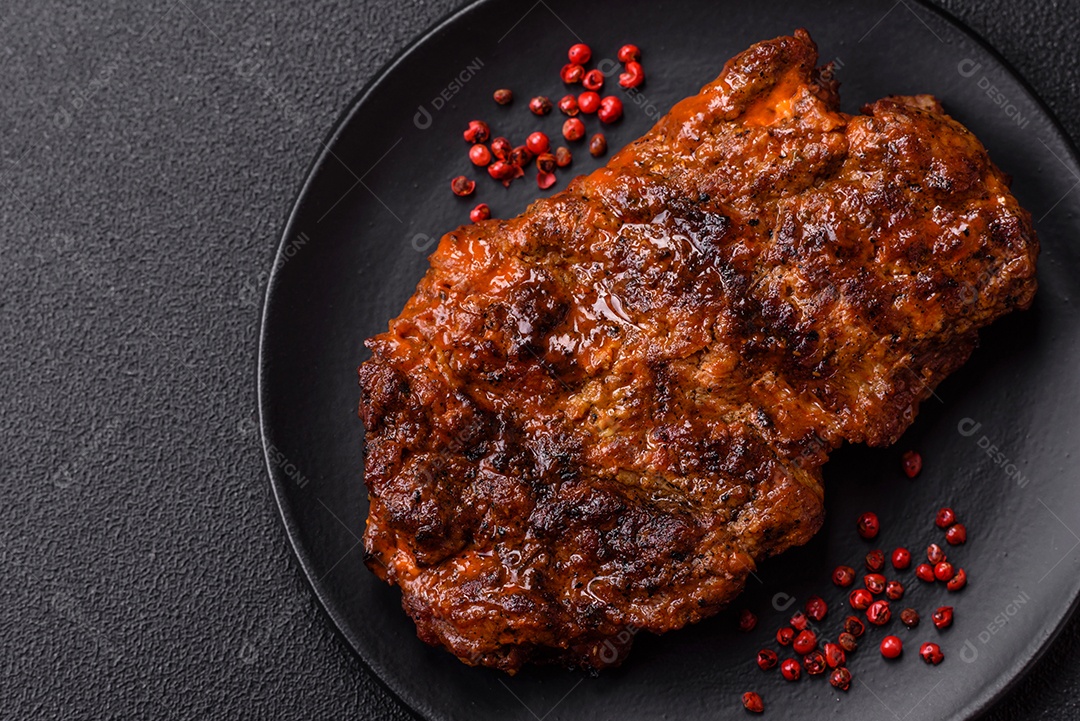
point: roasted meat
(597, 417)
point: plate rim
(277, 486)
(981, 703)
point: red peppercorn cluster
(505, 162)
(609, 108)
(802, 634)
(939, 568)
(633, 74)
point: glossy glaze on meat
(597, 417)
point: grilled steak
(597, 417)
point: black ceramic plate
(997, 442)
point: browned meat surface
(600, 415)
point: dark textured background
(149, 153)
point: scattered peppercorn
(860, 599)
(520, 156)
(945, 518)
(912, 463)
(834, 655)
(785, 636)
(611, 109)
(747, 620)
(767, 659)
(569, 106)
(503, 96)
(752, 702)
(477, 132)
(944, 571)
(573, 129)
(540, 105)
(868, 525)
(572, 73)
(633, 76)
(537, 143)
(799, 621)
(545, 180)
(500, 148)
(956, 535)
(511, 171)
(847, 642)
(901, 559)
(854, 626)
(629, 53)
(462, 186)
(563, 156)
(588, 102)
(597, 146)
(843, 576)
(909, 617)
(875, 583)
(579, 53)
(875, 561)
(814, 663)
(878, 613)
(958, 581)
(891, 647)
(805, 642)
(942, 617)
(545, 163)
(480, 212)
(790, 669)
(894, 590)
(925, 572)
(593, 80)
(501, 170)
(935, 554)
(816, 608)
(931, 653)
(479, 155)
(840, 678)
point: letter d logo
(422, 119)
(967, 427)
(968, 67)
